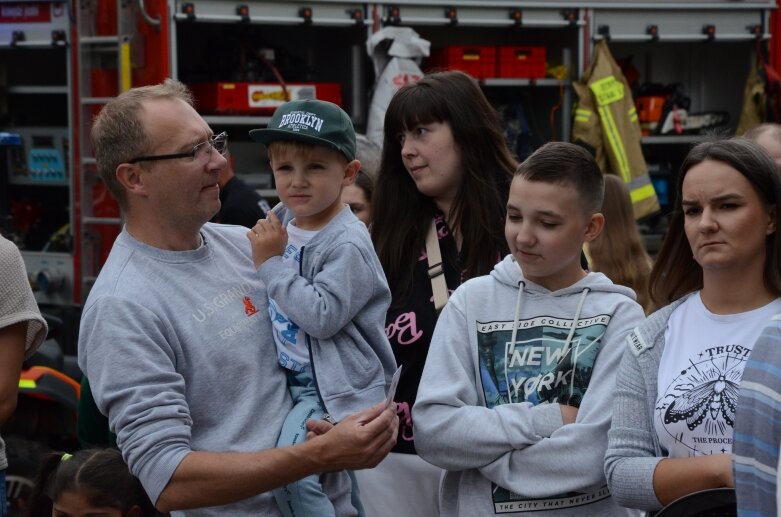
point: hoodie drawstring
(507, 357)
(572, 333)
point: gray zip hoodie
(506, 450)
(339, 298)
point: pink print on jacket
(405, 421)
(439, 219)
(404, 329)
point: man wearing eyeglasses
(175, 337)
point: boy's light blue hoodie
(339, 298)
(508, 451)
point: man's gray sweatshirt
(179, 352)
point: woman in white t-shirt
(718, 276)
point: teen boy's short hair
(562, 162)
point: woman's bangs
(414, 106)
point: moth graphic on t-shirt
(705, 403)
(697, 408)
(698, 376)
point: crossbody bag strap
(435, 270)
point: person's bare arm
(361, 440)
(12, 345)
(677, 477)
(568, 413)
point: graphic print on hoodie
(549, 363)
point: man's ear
(595, 226)
(351, 172)
(129, 176)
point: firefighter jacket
(606, 123)
(754, 100)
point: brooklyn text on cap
(310, 121)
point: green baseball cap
(310, 121)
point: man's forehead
(173, 120)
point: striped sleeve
(758, 426)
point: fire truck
(61, 60)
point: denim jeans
(305, 497)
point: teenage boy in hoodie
(506, 403)
(327, 291)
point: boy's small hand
(268, 238)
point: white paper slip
(392, 390)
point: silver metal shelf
(38, 90)
(99, 40)
(591, 4)
(683, 38)
(277, 20)
(237, 120)
(95, 100)
(673, 139)
(34, 44)
(546, 82)
(479, 22)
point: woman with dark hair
(87, 482)
(718, 276)
(445, 172)
(618, 251)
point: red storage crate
(525, 62)
(479, 61)
(258, 98)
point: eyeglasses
(218, 142)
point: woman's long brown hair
(402, 214)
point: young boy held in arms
(327, 292)
(517, 390)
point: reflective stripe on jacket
(605, 121)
